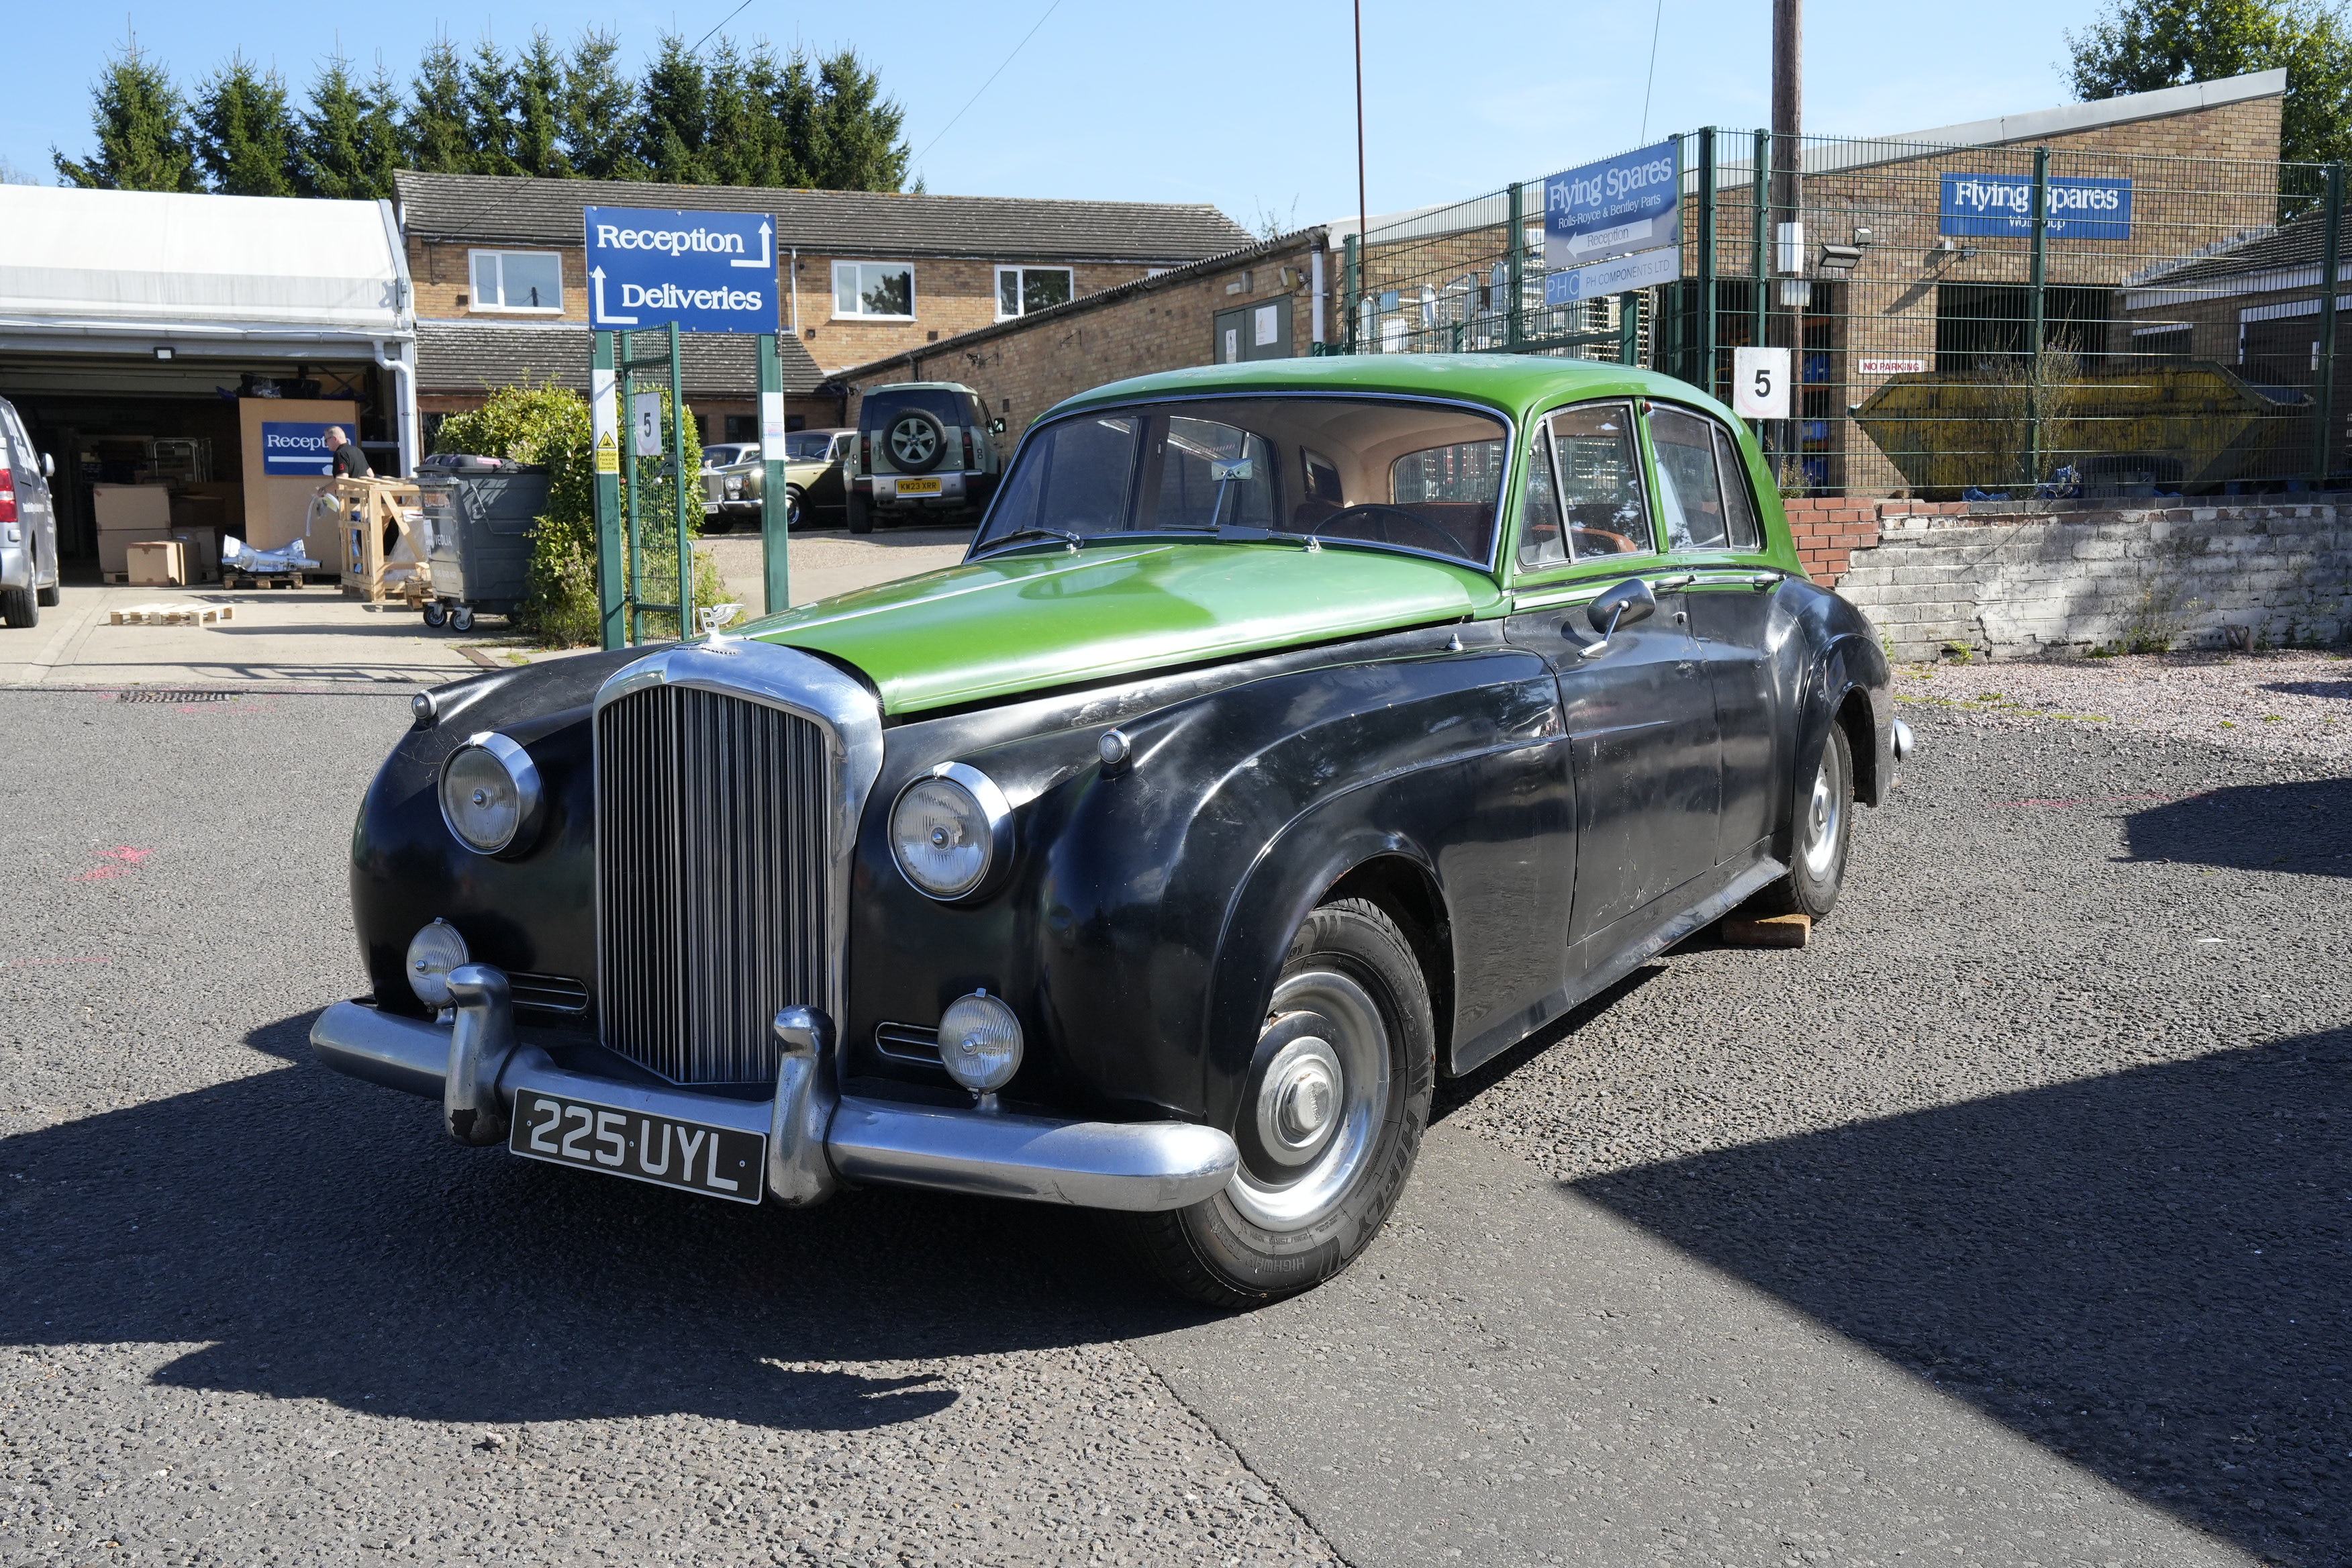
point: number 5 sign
(1759, 384)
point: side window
(1690, 492)
(1600, 466)
(1738, 506)
(1541, 543)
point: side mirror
(49, 467)
(1628, 604)
(996, 427)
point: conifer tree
(489, 112)
(674, 123)
(144, 140)
(245, 135)
(435, 127)
(536, 95)
(349, 143)
(853, 142)
(600, 110)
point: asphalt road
(2006, 1224)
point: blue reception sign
(300, 449)
(2003, 204)
(710, 272)
(1618, 205)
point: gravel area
(2294, 702)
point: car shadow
(2149, 1273)
(317, 1238)
(2305, 825)
(2336, 688)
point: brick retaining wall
(2020, 580)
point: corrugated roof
(1018, 228)
(163, 262)
(472, 356)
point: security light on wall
(1837, 260)
(1864, 236)
(163, 353)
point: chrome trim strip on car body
(844, 711)
(1133, 1166)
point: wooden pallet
(123, 580)
(241, 581)
(170, 614)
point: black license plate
(717, 1162)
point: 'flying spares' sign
(710, 272)
(2003, 204)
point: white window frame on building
(1020, 276)
(859, 289)
(494, 298)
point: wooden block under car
(157, 564)
(1770, 931)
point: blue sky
(1249, 106)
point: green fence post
(632, 492)
(2036, 310)
(604, 422)
(1629, 326)
(775, 504)
(1350, 267)
(1758, 263)
(1518, 240)
(2322, 442)
(1707, 334)
(678, 476)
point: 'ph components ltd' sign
(710, 272)
(296, 449)
(2003, 204)
(1618, 205)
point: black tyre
(1820, 827)
(49, 597)
(461, 618)
(915, 441)
(1330, 1122)
(861, 515)
(436, 614)
(717, 522)
(795, 507)
(18, 607)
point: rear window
(949, 408)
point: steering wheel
(1381, 515)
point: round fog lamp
(950, 831)
(980, 1041)
(433, 952)
(490, 796)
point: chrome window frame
(1502, 499)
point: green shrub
(549, 425)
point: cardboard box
(202, 550)
(157, 564)
(132, 509)
(114, 546)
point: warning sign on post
(608, 454)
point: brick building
(499, 268)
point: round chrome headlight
(980, 1041)
(951, 832)
(433, 952)
(489, 795)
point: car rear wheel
(1330, 1124)
(18, 607)
(1820, 834)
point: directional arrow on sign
(1624, 234)
(767, 254)
(601, 319)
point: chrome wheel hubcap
(1822, 820)
(1319, 1104)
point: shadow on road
(324, 1241)
(2147, 1273)
(2303, 826)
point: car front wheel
(1329, 1125)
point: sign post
(685, 272)
(775, 504)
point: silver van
(29, 525)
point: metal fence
(1962, 321)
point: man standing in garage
(350, 463)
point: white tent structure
(160, 278)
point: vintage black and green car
(1292, 734)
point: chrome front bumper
(814, 1137)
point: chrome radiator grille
(710, 879)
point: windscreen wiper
(1074, 540)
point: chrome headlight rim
(530, 799)
(996, 836)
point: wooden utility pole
(1788, 125)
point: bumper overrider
(809, 1139)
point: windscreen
(1380, 471)
(803, 445)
